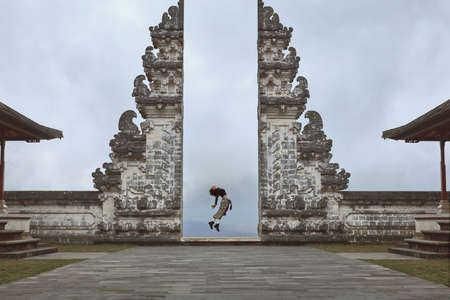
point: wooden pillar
(3, 207)
(444, 205)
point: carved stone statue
(271, 19)
(140, 88)
(315, 122)
(148, 58)
(170, 20)
(128, 143)
(110, 181)
(301, 90)
(292, 57)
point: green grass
(436, 270)
(92, 248)
(361, 248)
(15, 269)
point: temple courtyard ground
(222, 272)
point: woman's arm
(215, 202)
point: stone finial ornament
(140, 88)
(108, 181)
(271, 19)
(128, 143)
(333, 181)
(126, 124)
(292, 57)
(315, 122)
(313, 143)
(301, 90)
(148, 58)
(170, 19)
(99, 179)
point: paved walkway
(376, 255)
(69, 255)
(222, 272)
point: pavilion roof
(16, 127)
(432, 126)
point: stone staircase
(18, 244)
(434, 244)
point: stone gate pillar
(142, 187)
(298, 186)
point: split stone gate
(141, 188)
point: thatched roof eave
(16, 127)
(432, 126)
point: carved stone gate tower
(142, 187)
(298, 186)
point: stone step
(444, 224)
(195, 241)
(17, 245)
(27, 252)
(6, 235)
(436, 235)
(418, 253)
(3, 224)
(427, 245)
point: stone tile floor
(223, 272)
(375, 255)
(69, 255)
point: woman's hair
(212, 189)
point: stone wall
(66, 217)
(77, 216)
(384, 216)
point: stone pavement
(376, 255)
(223, 272)
(70, 255)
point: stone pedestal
(16, 222)
(3, 207)
(429, 222)
(444, 207)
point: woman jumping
(223, 208)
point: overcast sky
(371, 66)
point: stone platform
(220, 241)
(238, 272)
